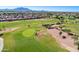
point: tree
(61, 18)
(77, 43)
(1, 34)
(71, 17)
(49, 14)
(60, 33)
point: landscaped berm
(32, 36)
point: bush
(77, 43)
(63, 37)
(60, 33)
(61, 26)
(0, 29)
(78, 47)
(76, 37)
(66, 30)
(58, 23)
(47, 25)
(1, 34)
(70, 34)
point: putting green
(29, 32)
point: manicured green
(29, 32)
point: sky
(47, 8)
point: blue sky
(47, 8)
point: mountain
(21, 9)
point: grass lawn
(25, 40)
(29, 32)
(74, 27)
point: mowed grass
(29, 32)
(24, 23)
(25, 40)
(74, 27)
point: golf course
(24, 38)
(31, 36)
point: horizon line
(46, 8)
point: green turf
(29, 32)
(25, 40)
(74, 27)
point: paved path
(1, 44)
(67, 43)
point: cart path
(67, 43)
(1, 44)
(9, 30)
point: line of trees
(36, 15)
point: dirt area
(41, 33)
(66, 42)
(9, 30)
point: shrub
(1, 34)
(77, 43)
(70, 34)
(63, 37)
(60, 33)
(66, 30)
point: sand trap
(67, 43)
